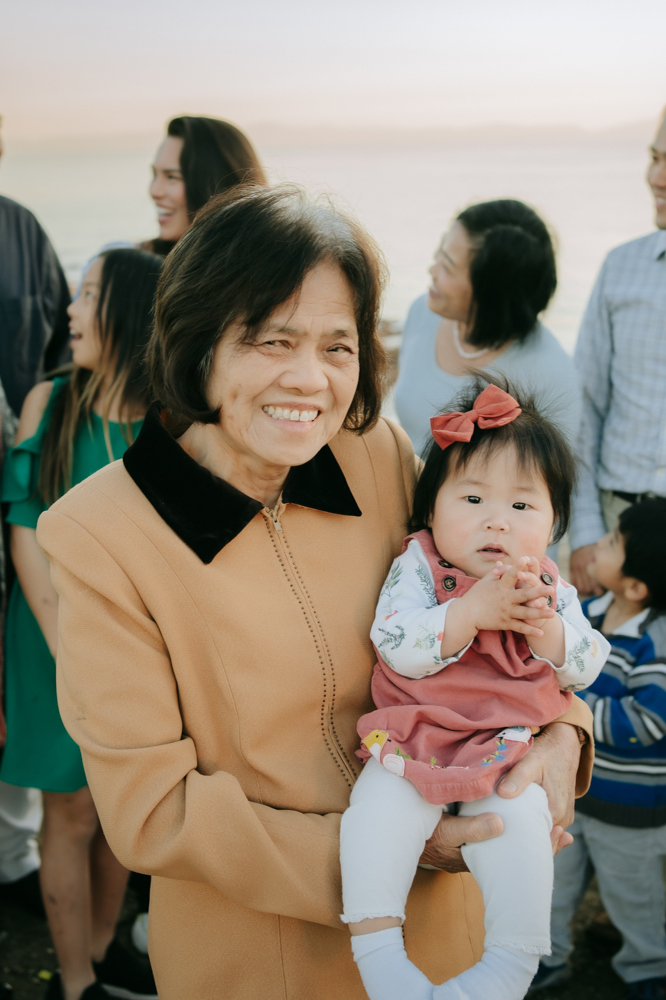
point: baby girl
(472, 661)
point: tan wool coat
(212, 664)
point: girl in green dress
(70, 427)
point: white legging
(382, 837)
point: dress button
(449, 583)
(445, 564)
(547, 579)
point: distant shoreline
(276, 135)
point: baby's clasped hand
(507, 598)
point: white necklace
(461, 350)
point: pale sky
(96, 67)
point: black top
(205, 511)
(34, 327)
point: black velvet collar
(206, 512)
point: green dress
(39, 752)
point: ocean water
(591, 192)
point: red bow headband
(492, 408)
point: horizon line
(281, 133)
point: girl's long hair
(124, 321)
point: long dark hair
(536, 440)
(124, 321)
(513, 272)
(215, 156)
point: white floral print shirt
(409, 626)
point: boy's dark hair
(513, 272)
(538, 443)
(643, 530)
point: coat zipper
(274, 513)
(334, 747)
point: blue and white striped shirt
(628, 702)
(621, 362)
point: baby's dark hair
(538, 443)
(643, 530)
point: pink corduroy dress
(446, 727)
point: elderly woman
(493, 274)
(217, 589)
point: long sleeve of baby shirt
(586, 649)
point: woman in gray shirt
(493, 273)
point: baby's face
(492, 510)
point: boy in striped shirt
(620, 825)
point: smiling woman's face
(450, 292)
(286, 395)
(167, 190)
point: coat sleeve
(119, 701)
(578, 714)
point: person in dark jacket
(34, 326)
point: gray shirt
(621, 359)
(539, 365)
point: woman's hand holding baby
(507, 598)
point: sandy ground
(25, 951)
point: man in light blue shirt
(621, 360)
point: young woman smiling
(70, 427)
(198, 158)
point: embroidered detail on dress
(395, 764)
(496, 754)
(374, 741)
(516, 734)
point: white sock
(502, 973)
(386, 971)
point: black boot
(92, 992)
(124, 975)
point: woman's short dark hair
(538, 444)
(215, 157)
(513, 271)
(247, 253)
(643, 530)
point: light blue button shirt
(539, 365)
(621, 360)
